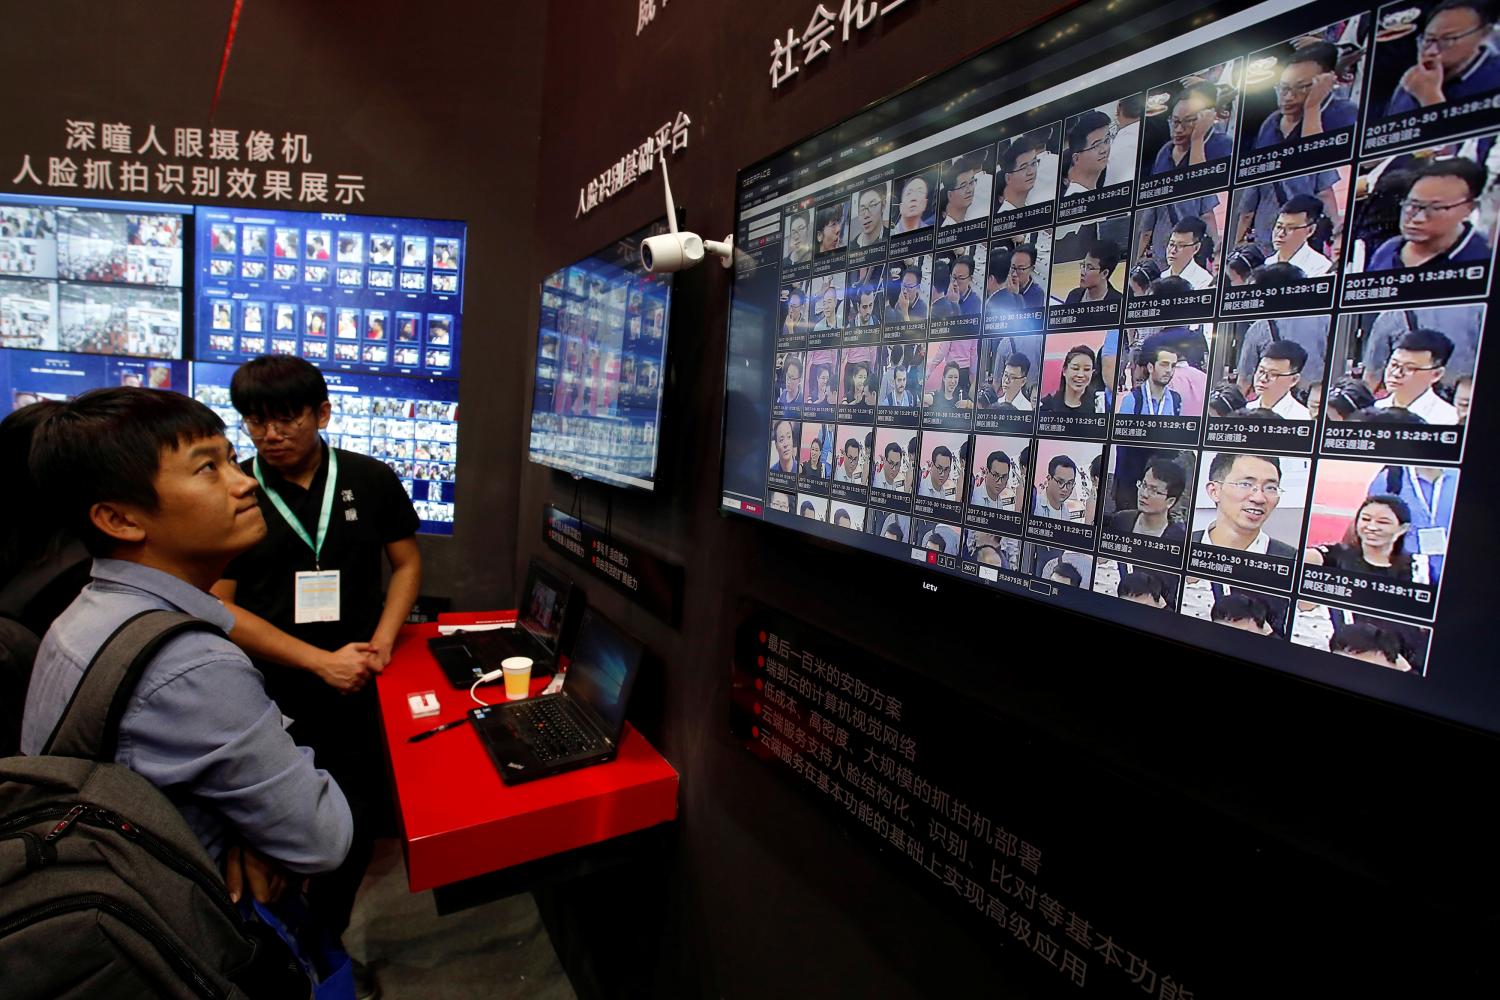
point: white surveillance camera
(675, 251)
(671, 252)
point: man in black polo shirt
(306, 601)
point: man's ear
(117, 521)
(324, 411)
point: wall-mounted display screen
(410, 424)
(28, 377)
(91, 276)
(601, 354)
(1179, 327)
(347, 292)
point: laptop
(577, 727)
(547, 605)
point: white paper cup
(517, 677)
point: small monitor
(603, 668)
(545, 601)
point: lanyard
(291, 519)
(1430, 509)
(1156, 409)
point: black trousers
(343, 732)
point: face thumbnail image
(856, 445)
(812, 506)
(1100, 146)
(317, 321)
(1086, 260)
(1064, 567)
(1305, 87)
(1236, 607)
(789, 366)
(849, 516)
(966, 186)
(1137, 584)
(828, 301)
(943, 461)
(1381, 522)
(1015, 280)
(382, 250)
(288, 243)
(999, 477)
(908, 283)
(1254, 503)
(1417, 364)
(989, 549)
(949, 384)
(222, 239)
(1380, 642)
(348, 328)
(1079, 369)
(445, 254)
(816, 453)
(832, 222)
(351, 248)
(1165, 371)
(915, 206)
(1147, 493)
(413, 251)
(890, 526)
(255, 240)
(1292, 223)
(319, 244)
(895, 460)
(795, 311)
(784, 446)
(253, 317)
(1178, 246)
(1065, 483)
(1009, 369)
(223, 316)
(1027, 169)
(863, 298)
(1433, 53)
(1425, 210)
(797, 238)
(1191, 120)
(858, 386)
(901, 371)
(935, 537)
(822, 378)
(957, 276)
(868, 208)
(779, 501)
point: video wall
(92, 295)
(1186, 339)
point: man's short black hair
(965, 261)
(1107, 253)
(1152, 355)
(1012, 153)
(1061, 461)
(1224, 461)
(1467, 171)
(897, 447)
(1287, 350)
(853, 441)
(1029, 249)
(1171, 285)
(1483, 9)
(1078, 135)
(1277, 274)
(1366, 637)
(941, 451)
(807, 505)
(1068, 572)
(1240, 606)
(1192, 225)
(1021, 361)
(1245, 258)
(998, 456)
(1133, 106)
(276, 387)
(1432, 341)
(1304, 204)
(1207, 91)
(911, 269)
(1325, 54)
(936, 539)
(1140, 583)
(1172, 476)
(106, 445)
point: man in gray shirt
(148, 481)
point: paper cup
(517, 677)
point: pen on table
(419, 737)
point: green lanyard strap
(292, 520)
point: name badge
(316, 597)
(1432, 541)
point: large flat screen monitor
(358, 293)
(410, 424)
(1178, 326)
(600, 358)
(92, 276)
(28, 377)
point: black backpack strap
(90, 725)
(1275, 331)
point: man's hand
(349, 667)
(1424, 81)
(1322, 86)
(244, 866)
(382, 647)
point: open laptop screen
(603, 669)
(544, 602)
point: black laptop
(546, 608)
(577, 727)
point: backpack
(1139, 392)
(104, 888)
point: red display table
(459, 821)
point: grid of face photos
(358, 293)
(1209, 347)
(90, 280)
(390, 419)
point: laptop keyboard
(551, 732)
